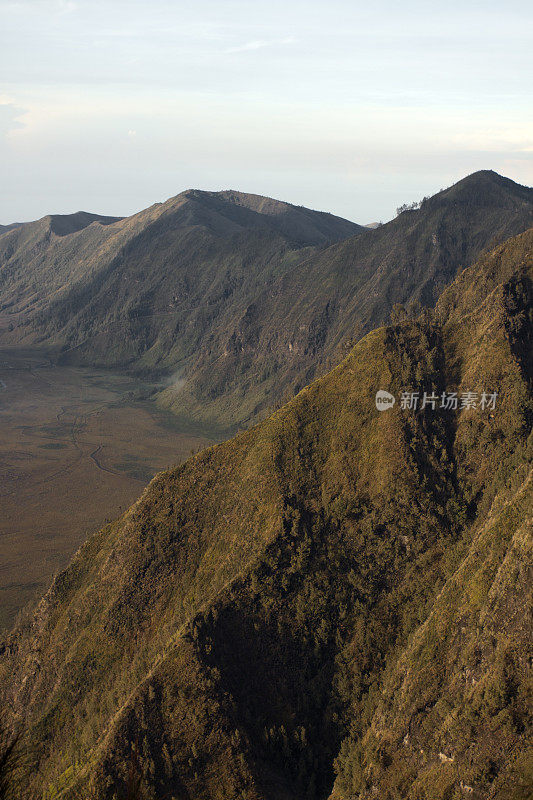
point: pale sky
(338, 105)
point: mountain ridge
(64, 224)
(280, 617)
(243, 307)
(305, 320)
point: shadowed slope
(150, 290)
(308, 318)
(238, 300)
(64, 224)
(314, 596)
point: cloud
(49, 6)
(495, 139)
(66, 6)
(9, 115)
(259, 44)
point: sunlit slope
(144, 290)
(234, 301)
(308, 319)
(331, 602)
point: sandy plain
(77, 447)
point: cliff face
(242, 299)
(310, 316)
(147, 290)
(332, 604)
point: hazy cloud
(364, 108)
(10, 115)
(259, 44)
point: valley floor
(77, 446)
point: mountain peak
(63, 224)
(488, 188)
(260, 204)
(256, 202)
(234, 210)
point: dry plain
(77, 446)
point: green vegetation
(238, 301)
(156, 292)
(330, 605)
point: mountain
(330, 605)
(151, 289)
(308, 319)
(237, 301)
(64, 224)
(6, 228)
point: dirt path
(104, 469)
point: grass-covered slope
(307, 318)
(237, 301)
(331, 604)
(453, 717)
(147, 290)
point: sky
(339, 105)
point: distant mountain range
(237, 300)
(151, 290)
(6, 228)
(334, 604)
